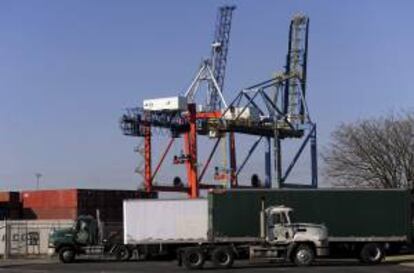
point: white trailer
(165, 221)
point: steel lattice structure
(219, 52)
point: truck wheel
(303, 255)
(222, 257)
(123, 253)
(67, 254)
(371, 253)
(193, 258)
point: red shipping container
(70, 203)
(50, 213)
(50, 199)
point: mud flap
(180, 258)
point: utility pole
(38, 176)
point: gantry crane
(273, 109)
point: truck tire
(371, 253)
(303, 255)
(123, 253)
(222, 257)
(67, 254)
(193, 258)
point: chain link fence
(25, 238)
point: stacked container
(71, 203)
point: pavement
(399, 264)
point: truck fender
(290, 250)
(60, 246)
(292, 247)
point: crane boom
(296, 63)
(220, 47)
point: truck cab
(282, 229)
(84, 237)
(283, 239)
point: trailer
(364, 224)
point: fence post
(6, 239)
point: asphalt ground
(104, 266)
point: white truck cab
(286, 240)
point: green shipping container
(348, 214)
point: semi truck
(229, 224)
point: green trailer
(354, 218)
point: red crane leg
(187, 153)
(191, 142)
(147, 157)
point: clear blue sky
(69, 68)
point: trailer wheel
(123, 253)
(67, 254)
(303, 255)
(222, 257)
(193, 258)
(371, 253)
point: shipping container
(165, 220)
(346, 213)
(71, 203)
(66, 198)
(178, 103)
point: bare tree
(375, 153)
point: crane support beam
(191, 148)
(299, 152)
(147, 158)
(164, 154)
(213, 151)
(233, 162)
(249, 154)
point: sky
(68, 70)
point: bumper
(51, 251)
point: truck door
(279, 228)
